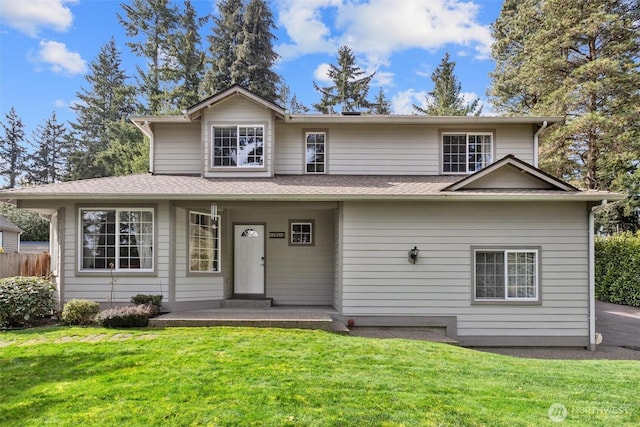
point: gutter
(535, 143)
(592, 277)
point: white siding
(177, 149)
(379, 280)
(296, 275)
(194, 286)
(390, 149)
(238, 111)
(97, 286)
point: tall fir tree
(128, 151)
(107, 99)
(445, 99)
(578, 60)
(152, 23)
(188, 58)
(380, 105)
(350, 85)
(13, 152)
(223, 44)
(48, 162)
(255, 56)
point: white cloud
(60, 103)
(378, 28)
(402, 102)
(30, 16)
(60, 59)
(321, 76)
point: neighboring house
(9, 236)
(245, 200)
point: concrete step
(247, 303)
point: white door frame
(249, 277)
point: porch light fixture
(214, 211)
(413, 254)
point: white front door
(249, 259)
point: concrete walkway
(618, 324)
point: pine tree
(188, 57)
(578, 60)
(255, 57)
(445, 98)
(297, 107)
(107, 99)
(381, 105)
(13, 152)
(223, 43)
(350, 85)
(154, 21)
(128, 152)
(48, 162)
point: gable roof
(510, 173)
(195, 110)
(6, 225)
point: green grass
(245, 376)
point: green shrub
(80, 312)
(125, 317)
(25, 301)
(153, 301)
(617, 269)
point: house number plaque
(277, 235)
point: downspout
(535, 143)
(592, 278)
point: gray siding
(177, 149)
(390, 149)
(378, 279)
(9, 241)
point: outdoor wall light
(413, 254)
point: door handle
(262, 261)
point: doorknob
(262, 260)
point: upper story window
(315, 144)
(466, 152)
(237, 146)
(119, 239)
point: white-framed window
(301, 232)
(466, 152)
(315, 148)
(237, 146)
(1, 241)
(119, 239)
(204, 243)
(506, 274)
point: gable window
(315, 152)
(301, 232)
(466, 152)
(204, 243)
(237, 146)
(506, 274)
(121, 239)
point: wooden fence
(25, 265)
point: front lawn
(274, 377)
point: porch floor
(300, 317)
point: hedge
(25, 301)
(618, 269)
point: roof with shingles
(6, 225)
(281, 187)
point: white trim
(324, 144)
(116, 268)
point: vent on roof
(351, 113)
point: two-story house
(391, 220)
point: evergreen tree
(381, 105)
(223, 43)
(296, 107)
(445, 98)
(154, 21)
(350, 85)
(12, 149)
(107, 99)
(188, 57)
(52, 144)
(255, 57)
(34, 227)
(128, 151)
(578, 60)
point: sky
(46, 47)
